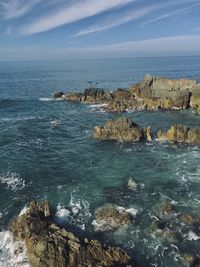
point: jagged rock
(110, 217)
(180, 134)
(58, 94)
(50, 245)
(152, 93)
(132, 185)
(122, 130)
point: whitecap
(12, 253)
(23, 211)
(132, 211)
(46, 99)
(62, 212)
(12, 180)
(98, 105)
(192, 236)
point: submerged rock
(122, 130)
(110, 217)
(50, 245)
(180, 134)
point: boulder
(109, 217)
(50, 245)
(122, 130)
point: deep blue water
(65, 166)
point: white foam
(98, 105)
(23, 211)
(12, 253)
(80, 212)
(12, 180)
(17, 119)
(46, 99)
(192, 236)
(132, 211)
(62, 212)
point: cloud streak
(109, 24)
(172, 13)
(77, 11)
(10, 9)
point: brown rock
(110, 217)
(180, 134)
(50, 245)
(122, 130)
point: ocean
(76, 174)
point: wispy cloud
(178, 11)
(10, 9)
(141, 12)
(79, 10)
(162, 46)
(109, 24)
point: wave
(19, 119)
(98, 105)
(46, 99)
(12, 180)
(12, 253)
(77, 212)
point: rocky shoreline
(48, 244)
(152, 93)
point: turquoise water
(76, 174)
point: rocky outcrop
(122, 130)
(110, 217)
(51, 245)
(180, 134)
(152, 93)
(58, 94)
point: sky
(62, 29)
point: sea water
(47, 153)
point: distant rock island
(152, 93)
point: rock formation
(180, 134)
(122, 130)
(50, 245)
(110, 217)
(152, 93)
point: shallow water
(76, 174)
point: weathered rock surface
(58, 94)
(180, 134)
(49, 245)
(122, 130)
(151, 93)
(110, 217)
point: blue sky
(61, 29)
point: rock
(189, 219)
(58, 94)
(152, 93)
(132, 185)
(194, 261)
(50, 245)
(180, 134)
(165, 210)
(110, 217)
(121, 130)
(73, 97)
